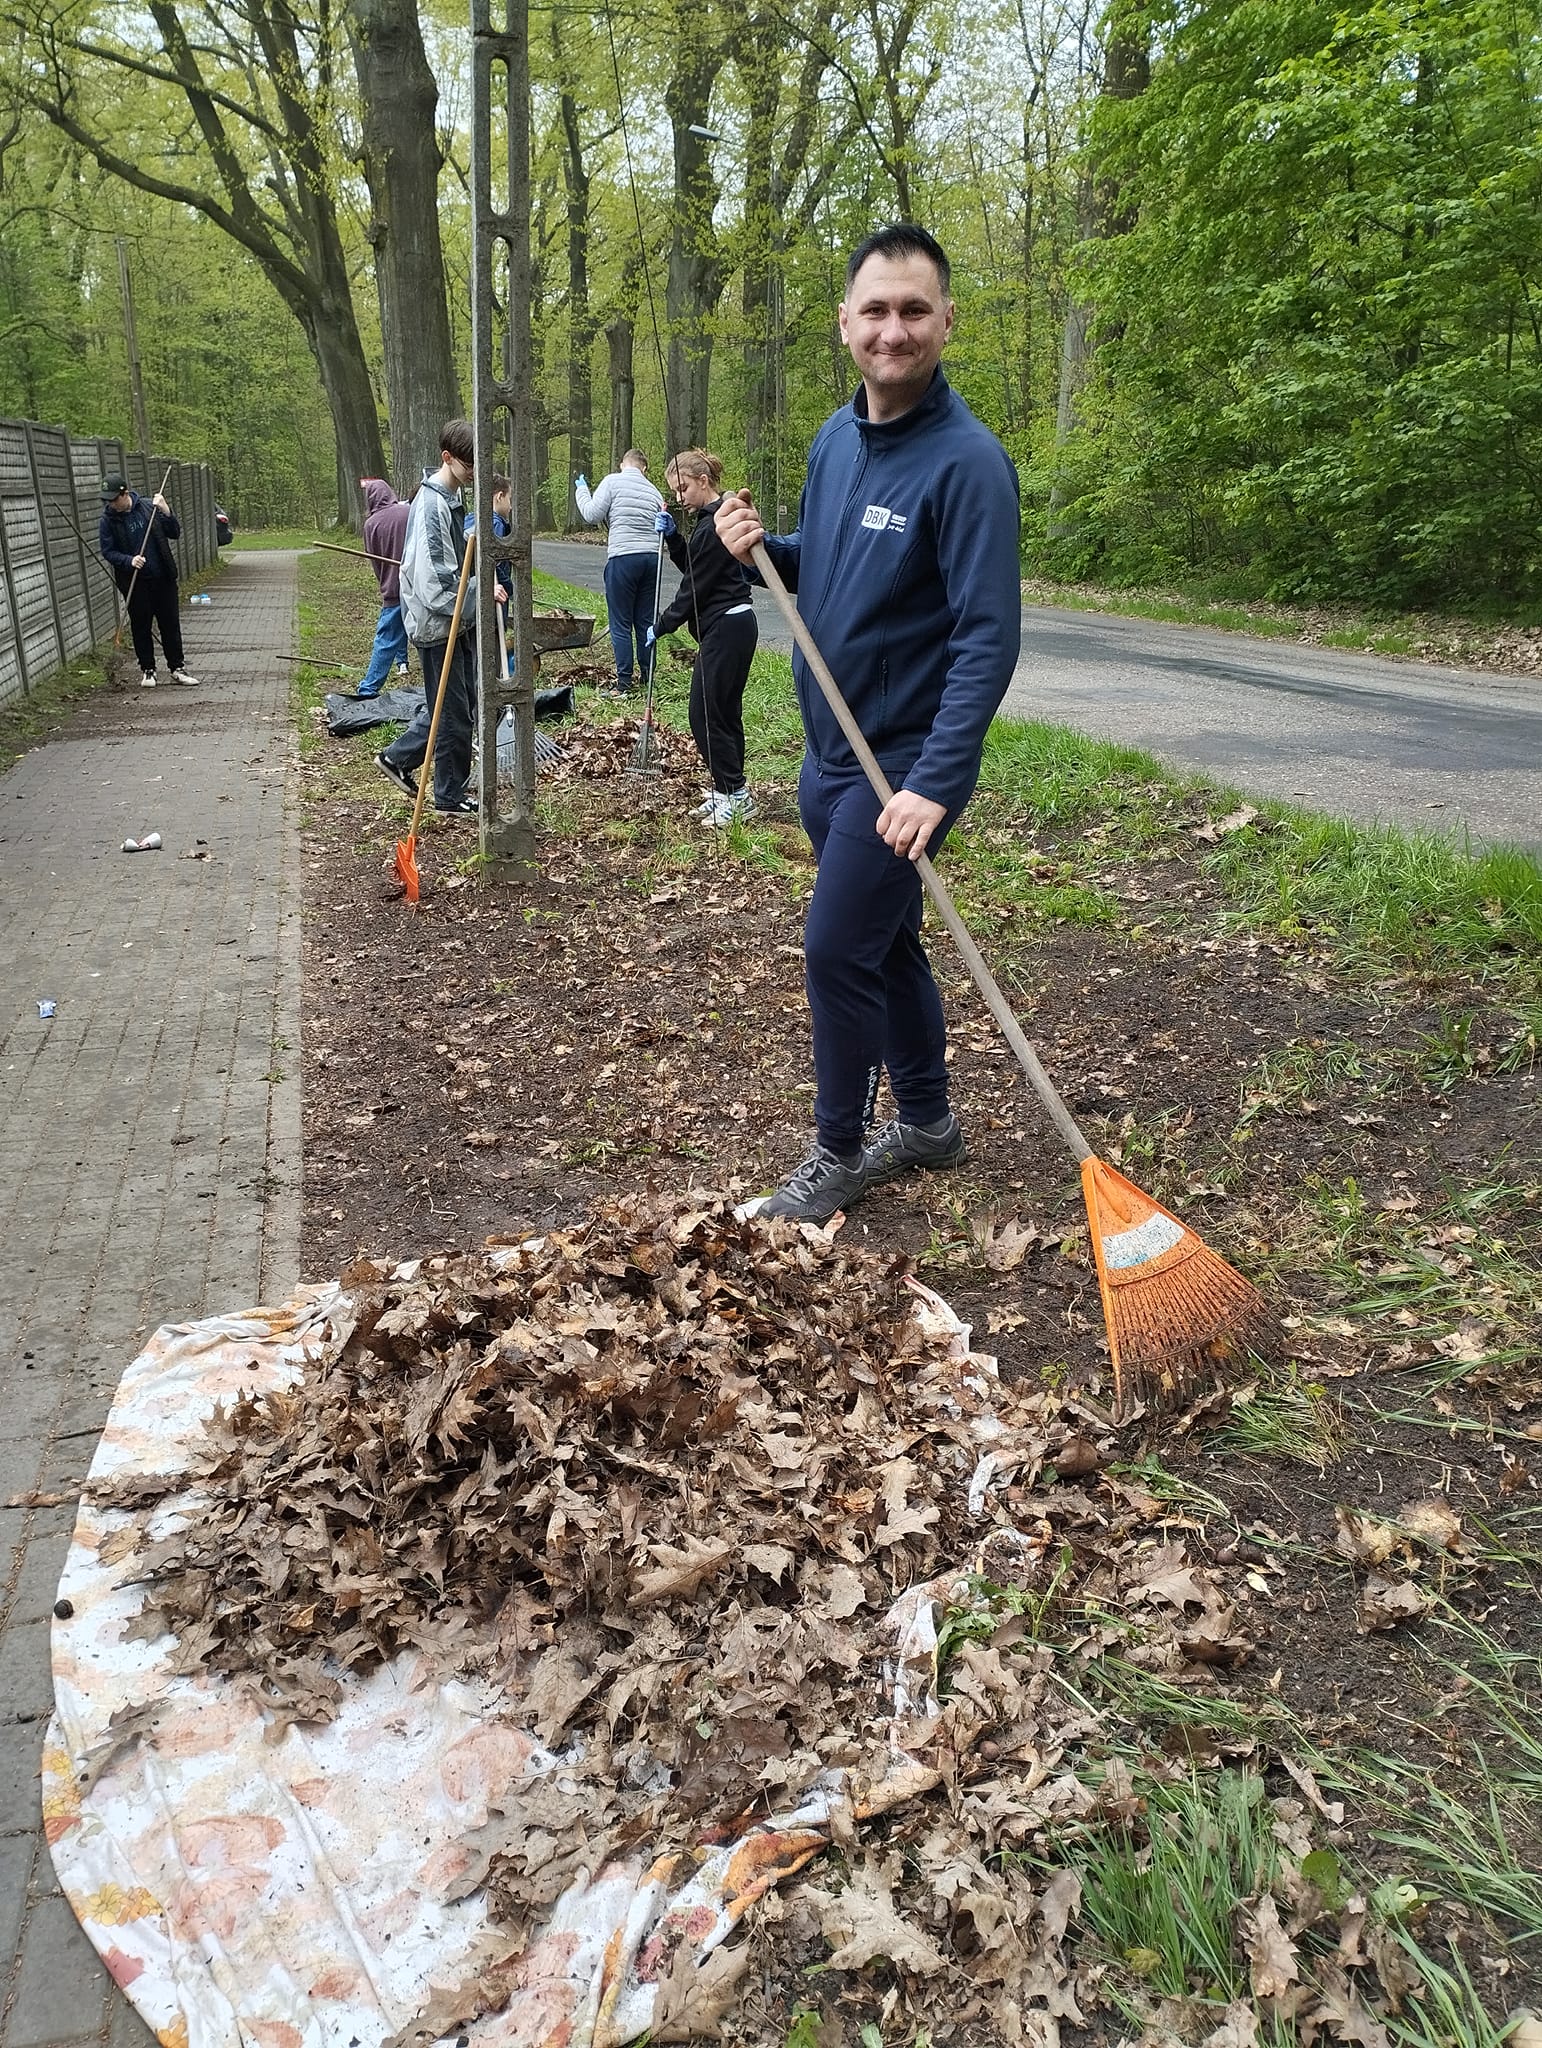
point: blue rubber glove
(648, 637)
(580, 483)
(664, 524)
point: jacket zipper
(851, 498)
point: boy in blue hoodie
(906, 566)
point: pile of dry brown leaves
(664, 1479)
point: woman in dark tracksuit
(714, 600)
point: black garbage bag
(348, 715)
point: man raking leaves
(1170, 1304)
(906, 566)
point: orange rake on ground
(1173, 1307)
(407, 849)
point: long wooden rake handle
(426, 771)
(984, 980)
(359, 554)
(117, 638)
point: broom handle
(444, 677)
(360, 554)
(117, 638)
(984, 980)
(96, 560)
(653, 645)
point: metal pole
(503, 387)
(130, 335)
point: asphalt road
(1354, 735)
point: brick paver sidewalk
(150, 1139)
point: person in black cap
(130, 543)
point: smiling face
(895, 320)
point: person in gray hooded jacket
(433, 550)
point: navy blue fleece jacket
(906, 566)
(120, 536)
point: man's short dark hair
(457, 439)
(897, 243)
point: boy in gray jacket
(433, 550)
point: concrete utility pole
(136, 381)
(501, 390)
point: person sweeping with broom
(905, 562)
(135, 539)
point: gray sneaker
(901, 1148)
(814, 1191)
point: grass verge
(288, 537)
(27, 722)
(1363, 898)
(1504, 642)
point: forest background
(1251, 289)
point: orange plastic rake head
(407, 866)
(1173, 1307)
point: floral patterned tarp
(302, 1890)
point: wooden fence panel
(67, 569)
(87, 468)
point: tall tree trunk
(350, 397)
(401, 166)
(283, 212)
(696, 274)
(1025, 332)
(618, 341)
(549, 516)
(1101, 210)
(760, 73)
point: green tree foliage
(1320, 336)
(1250, 288)
(226, 371)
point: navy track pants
(871, 993)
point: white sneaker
(180, 675)
(730, 810)
(147, 679)
(708, 804)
